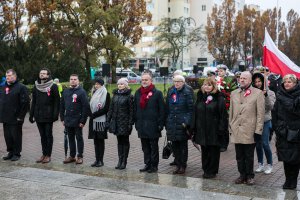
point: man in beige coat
(246, 119)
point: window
(148, 49)
(150, 7)
(203, 7)
(169, 9)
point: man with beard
(149, 120)
(44, 110)
(74, 109)
(14, 103)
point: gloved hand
(257, 137)
(31, 119)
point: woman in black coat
(120, 119)
(179, 104)
(99, 105)
(209, 123)
(286, 123)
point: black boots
(125, 156)
(97, 163)
(120, 154)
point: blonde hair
(292, 77)
(210, 81)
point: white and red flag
(277, 61)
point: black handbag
(167, 150)
(293, 136)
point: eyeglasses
(178, 81)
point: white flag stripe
(270, 45)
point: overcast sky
(286, 5)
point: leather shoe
(40, 159)
(250, 181)
(8, 156)
(47, 159)
(69, 160)
(79, 161)
(15, 158)
(240, 180)
(97, 164)
(146, 168)
(208, 176)
(181, 170)
(152, 170)
(223, 149)
(289, 186)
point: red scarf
(146, 93)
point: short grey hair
(148, 72)
(292, 77)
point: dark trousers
(45, 130)
(180, 150)
(13, 138)
(245, 159)
(72, 133)
(123, 147)
(291, 172)
(210, 159)
(99, 145)
(151, 152)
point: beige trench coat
(246, 115)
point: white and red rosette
(48, 91)
(74, 96)
(208, 99)
(149, 95)
(247, 92)
(7, 90)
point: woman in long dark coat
(120, 119)
(286, 123)
(210, 117)
(99, 105)
(179, 104)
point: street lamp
(180, 26)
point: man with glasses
(14, 103)
(149, 120)
(44, 110)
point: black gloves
(31, 119)
(257, 137)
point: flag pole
(277, 26)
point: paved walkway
(228, 169)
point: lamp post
(180, 26)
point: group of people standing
(244, 110)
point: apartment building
(197, 54)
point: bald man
(246, 120)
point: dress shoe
(47, 159)
(97, 164)
(250, 181)
(40, 159)
(152, 170)
(146, 168)
(8, 156)
(15, 158)
(240, 180)
(209, 176)
(79, 161)
(69, 160)
(289, 186)
(181, 170)
(173, 163)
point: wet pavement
(25, 179)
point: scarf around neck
(98, 102)
(146, 93)
(44, 87)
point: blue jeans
(264, 146)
